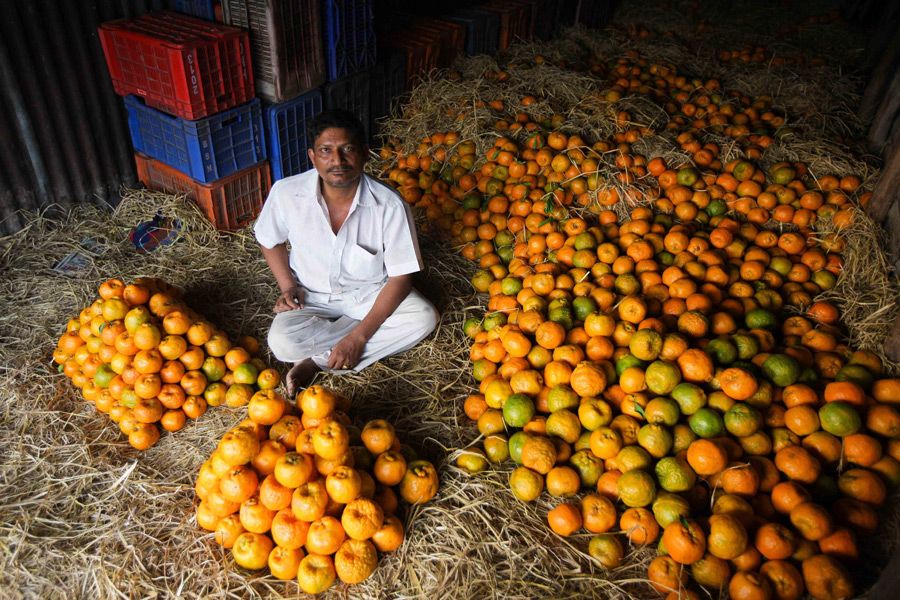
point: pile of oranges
(746, 54)
(309, 495)
(740, 185)
(683, 366)
(674, 370)
(535, 170)
(144, 358)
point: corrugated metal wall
(63, 132)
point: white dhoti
(312, 331)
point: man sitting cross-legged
(346, 285)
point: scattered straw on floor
(84, 515)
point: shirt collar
(361, 198)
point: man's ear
(310, 153)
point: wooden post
(885, 115)
(885, 207)
(893, 139)
(881, 77)
(892, 227)
(887, 190)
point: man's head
(339, 148)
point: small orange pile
(309, 495)
(143, 357)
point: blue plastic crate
(349, 36)
(205, 9)
(387, 84)
(350, 93)
(286, 133)
(482, 30)
(207, 149)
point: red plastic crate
(230, 203)
(184, 66)
(514, 20)
(452, 36)
(421, 53)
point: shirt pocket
(364, 265)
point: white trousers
(312, 331)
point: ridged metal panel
(63, 132)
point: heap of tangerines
(309, 495)
(677, 364)
(144, 358)
(688, 367)
(539, 156)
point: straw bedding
(83, 515)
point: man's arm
(347, 352)
(291, 297)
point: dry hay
(867, 292)
(83, 515)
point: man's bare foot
(300, 376)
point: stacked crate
(285, 42)
(482, 30)
(388, 81)
(230, 203)
(515, 20)
(451, 36)
(207, 149)
(349, 37)
(421, 53)
(297, 47)
(595, 13)
(350, 93)
(286, 133)
(191, 86)
(288, 50)
(543, 18)
(211, 10)
(428, 44)
(195, 124)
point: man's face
(338, 157)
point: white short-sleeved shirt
(376, 241)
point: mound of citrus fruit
(307, 494)
(538, 167)
(144, 358)
(675, 372)
(687, 366)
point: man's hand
(346, 353)
(290, 299)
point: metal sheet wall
(63, 132)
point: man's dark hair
(338, 118)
